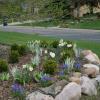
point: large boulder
(87, 86)
(55, 88)
(90, 72)
(90, 57)
(72, 91)
(91, 67)
(39, 96)
(74, 79)
(76, 74)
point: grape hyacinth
(46, 78)
(64, 66)
(77, 65)
(16, 88)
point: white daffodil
(61, 41)
(45, 51)
(69, 45)
(52, 54)
(30, 68)
(24, 66)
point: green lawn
(83, 24)
(92, 24)
(13, 37)
(41, 24)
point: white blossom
(52, 54)
(69, 45)
(30, 68)
(24, 66)
(45, 51)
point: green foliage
(22, 49)
(54, 44)
(3, 66)
(20, 76)
(14, 56)
(44, 44)
(50, 66)
(37, 76)
(4, 76)
(15, 47)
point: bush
(22, 49)
(50, 66)
(44, 44)
(54, 44)
(3, 66)
(14, 56)
(15, 47)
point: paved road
(75, 34)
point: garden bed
(43, 67)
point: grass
(13, 37)
(41, 24)
(92, 24)
(84, 24)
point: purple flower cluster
(64, 66)
(16, 88)
(61, 73)
(77, 65)
(46, 78)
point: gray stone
(72, 91)
(39, 96)
(88, 86)
(55, 88)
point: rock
(85, 53)
(98, 79)
(91, 72)
(87, 86)
(72, 91)
(55, 88)
(76, 74)
(74, 79)
(39, 96)
(91, 67)
(90, 57)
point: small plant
(20, 76)
(43, 44)
(18, 91)
(70, 62)
(22, 49)
(46, 80)
(4, 76)
(15, 47)
(3, 66)
(37, 76)
(54, 44)
(50, 66)
(14, 56)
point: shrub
(3, 66)
(14, 56)
(50, 66)
(54, 44)
(15, 47)
(22, 49)
(44, 44)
